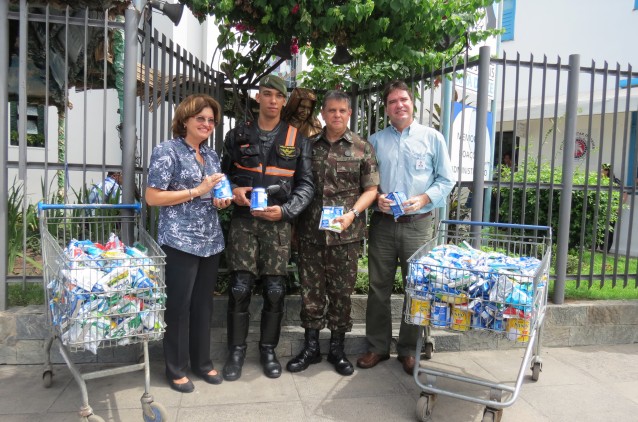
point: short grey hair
(335, 95)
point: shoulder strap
(291, 136)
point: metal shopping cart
(486, 277)
(105, 287)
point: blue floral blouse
(192, 226)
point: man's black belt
(404, 218)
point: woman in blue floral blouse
(181, 177)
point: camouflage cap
(274, 82)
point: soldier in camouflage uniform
(270, 154)
(344, 168)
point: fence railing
(72, 64)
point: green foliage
(595, 205)
(597, 292)
(29, 294)
(382, 35)
(33, 139)
(362, 285)
(16, 222)
(324, 76)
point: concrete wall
(23, 330)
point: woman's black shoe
(211, 379)
(187, 387)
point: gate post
(4, 103)
(482, 107)
(564, 213)
(131, 22)
(354, 118)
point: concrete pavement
(586, 383)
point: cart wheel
(92, 418)
(536, 371)
(47, 378)
(424, 407)
(429, 348)
(154, 412)
(492, 415)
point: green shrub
(16, 222)
(595, 205)
(29, 294)
(362, 285)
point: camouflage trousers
(258, 246)
(327, 272)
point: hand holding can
(222, 189)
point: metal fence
(547, 131)
(81, 99)
(85, 93)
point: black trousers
(190, 282)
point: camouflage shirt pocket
(348, 175)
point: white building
(601, 32)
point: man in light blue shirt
(413, 159)
(109, 191)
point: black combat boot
(270, 331)
(237, 332)
(336, 355)
(309, 354)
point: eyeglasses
(202, 119)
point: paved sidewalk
(589, 383)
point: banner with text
(462, 144)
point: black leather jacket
(288, 166)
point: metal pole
(131, 23)
(22, 92)
(4, 128)
(564, 213)
(487, 206)
(354, 117)
(482, 106)
(446, 105)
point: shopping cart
(105, 287)
(485, 277)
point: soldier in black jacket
(270, 154)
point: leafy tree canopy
(383, 36)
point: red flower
(294, 49)
(241, 27)
(295, 9)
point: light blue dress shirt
(110, 189)
(415, 161)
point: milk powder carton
(327, 221)
(397, 208)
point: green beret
(274, 82)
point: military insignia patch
(287, 151)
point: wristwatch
(355, 212)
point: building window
(509, 14)
(35, 125)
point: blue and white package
(397, 208)
(328, 215)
